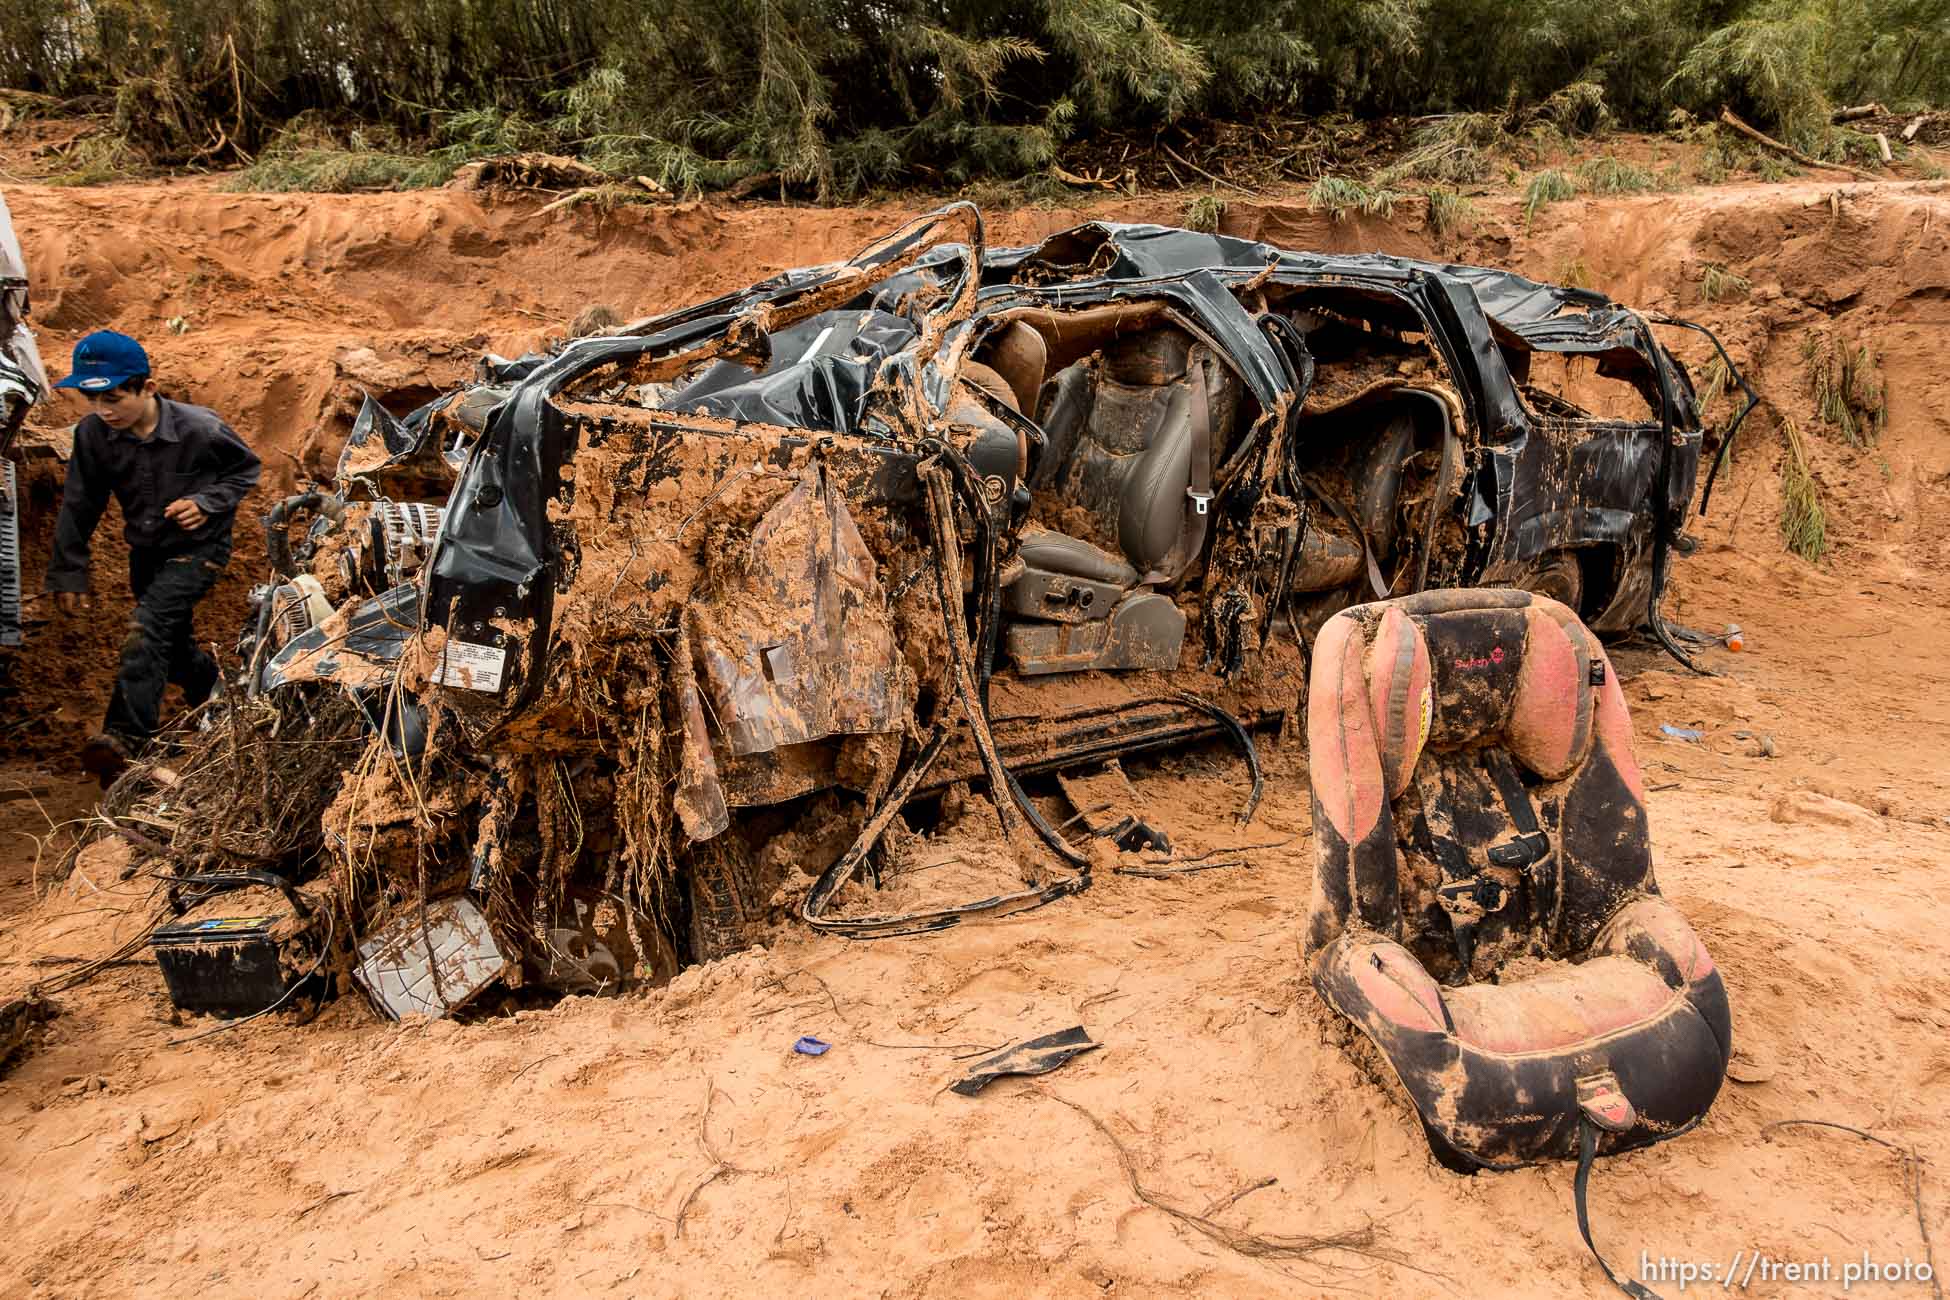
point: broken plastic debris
(1762, 744)
(1682, 733)
(810, 1046)
(433, 969)
(1037, 1056)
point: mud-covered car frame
(22, 384)
(653, 626)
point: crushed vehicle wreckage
(22, 383)
(621, 653)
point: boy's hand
(185, 514)
(68, 603)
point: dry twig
(720, 1167)
(1912, 1167)
(1358, 1241)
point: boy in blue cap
(179, 473)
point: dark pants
(161, 646)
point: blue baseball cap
(104, 359)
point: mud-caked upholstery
(1484, 906)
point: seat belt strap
(1588, 1152)
(1340, 511)
(1530, 852)
(1198, 493)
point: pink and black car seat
(1484, 907)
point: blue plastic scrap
(810, 1046)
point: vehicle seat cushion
(1399, 679)
(1550, 724)
(1151, 505)
(1397, 685)
(1494, 1071)
(1476, 656)
(1056, 552)
(1559, 1007)
(1644, 958)
(1521, 677)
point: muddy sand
(671, 1143)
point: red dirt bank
(559, 1151)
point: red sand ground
(672, 1144)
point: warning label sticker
(471, 667)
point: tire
(1558, 575)
(722, 888)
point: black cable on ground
(1241, 737)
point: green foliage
(1546, 188)
(96, 160)
(1340, 197)
(1609, 175)
(836, 97)
(1449, 211)
(1785, 63)
(1454, 150)
(1205, 212)
(1716, 283)
(1804, 521)
(1848, 389)
(339, 171)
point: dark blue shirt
(191, 453)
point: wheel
(723, 896)
(1557, 574)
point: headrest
(1474, 667)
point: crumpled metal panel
(699, 798)
(819, 374)
(16, 342)
(498, 556)
(431, 968)
(795, 641)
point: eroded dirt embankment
(673, 1144)
(278, 310)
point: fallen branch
(720, 1167)
(1081, 182)
(1172, 858)
(1359, 1241)
(569, 200)
(1165, 873)
(1912, 1166)
(1216, 180)
(1225, 1203)
(1916, 124)
(1859, 111)
(1727, 118)
(323, 1201)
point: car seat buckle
(1604, 1103)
